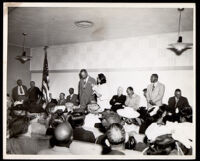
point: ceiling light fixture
(179, 47)
(23, 58)
(84, 24)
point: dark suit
(54, 101)
(33, 94)
(73, 100)
(117, 99)
(86, 92)
(83, 135)
(182, 102)
(15, 95)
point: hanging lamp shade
(179, 47)
(23, 58)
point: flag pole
(45, 75)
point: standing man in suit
(33, 93)
(73, 98)
(85, 89)
(155, 92)
(177, 102)
(19, 92)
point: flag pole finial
(45, 48)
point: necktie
(20, 89)
(153, 87)
(84, 83)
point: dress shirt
(21, 91)
(133, 101)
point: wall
(125, 62)
(15, 69)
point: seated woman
(20, 140)
(102, 92)
(118, 101)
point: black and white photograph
(99, 80)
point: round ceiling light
(84, 24)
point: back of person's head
(18, 126)
(116, 134)
(155, 75)
(63, 134)
(77, 119)
(102, 78)
(110, 118)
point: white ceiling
(55, 26)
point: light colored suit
(155, 95)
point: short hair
(177, 90)
(62, 93)
(155, 75)
(130, 88)
(83, 70)
(116, 134)
(102, 78)
(19, 126)
(71, 89)
(111, 117)
(145, 89)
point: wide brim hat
(128, 112)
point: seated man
(118, 100)
(20, 140)
(132, 99)
(73, 98)
(62, 100)
(79, 133)
(177, 102)
(63, 135)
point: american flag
(45, 78)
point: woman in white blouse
(102, 92)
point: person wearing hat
(63, 136)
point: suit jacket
(73, 100)
(155, 95)
(182, 102)
(61, 102)
(33, 94)
(83, 135)
(86, 93)
(15, 92)
(54, 101)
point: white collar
(86, 79)
(155, 84)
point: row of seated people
(61, 129)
